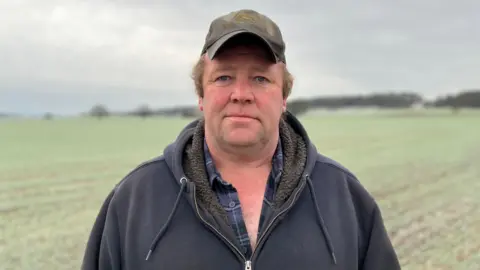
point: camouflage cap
(245, 21)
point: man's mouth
(241, 117)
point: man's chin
(241, 141)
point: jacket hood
(174, 152)
(185, 158)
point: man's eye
(261, 79)
(223, 78)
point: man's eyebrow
(223, 68)
(226, 67)
(260, 68)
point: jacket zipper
(248, 263)
(294, 199)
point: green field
(424, 170)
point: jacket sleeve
(380, 254)
(102, 251)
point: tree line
(464, 99)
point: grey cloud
(127, 52)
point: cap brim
(217, 45)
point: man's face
(243, 99)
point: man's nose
(242, 92)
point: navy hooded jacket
(154, 219)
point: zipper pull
(248, 265)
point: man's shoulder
(329, 169)
(154, 169)
(325, 161)
(333, 174)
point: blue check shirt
(228, 197)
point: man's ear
(200, 104)
(284, 105)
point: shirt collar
(214, 175)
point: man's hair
(199, 69)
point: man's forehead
(230, 66)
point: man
(242, 187)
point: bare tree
(48, 116)
(143, 111)
(99, 111)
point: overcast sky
(64, 56)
